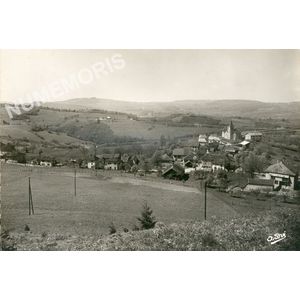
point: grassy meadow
(99, 201)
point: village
(224, 160)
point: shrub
(147, 220)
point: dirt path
(154, 184)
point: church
(230, 133)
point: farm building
(179, 153)
(253, 136)
(283, 177)
(175, 172)
(255, 184)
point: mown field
(99, 201)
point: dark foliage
(147, 220)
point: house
(253, 136)
(283, 177)
(205, 166)
(109, 161)
(111, 166)
(91, 164)
(193, 145)
(244, 144)
(45, 164)
(263, 185)
(232, 150)
(230, 133)
(175, 172)
(214, 139)
(213, 162)
(217, 167)
(202, 140)
(179, 153)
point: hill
(225, 108)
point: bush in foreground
(147, 220)
(243, 233)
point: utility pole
(205, 200)
(95, 158)
(75, 181)
(30, 203)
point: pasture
(100, 200)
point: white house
(202, 139)
(204, 166)
(45, 164)
(111, 166)
(213, 139)
(253, 136)
(282, 176)
(244, 144)
(91, 165)
(217, 167)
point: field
(100, 200)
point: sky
(151, 75)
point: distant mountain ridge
(226, 108)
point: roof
(190, 156)
(202, 138)
(231, 149)
(179, 151)
(263, 182)
(214, 159)
(206, 163)
(244, 143)
(279, 168)
(177, 168)
(192, 143)
(254, 133)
